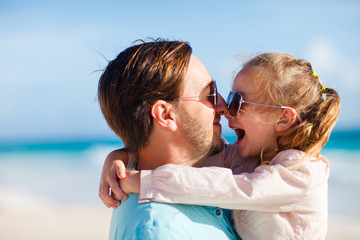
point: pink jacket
(269, 202)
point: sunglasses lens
(214, 95)
(234, 103)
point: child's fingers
(110, 201)
(105, 197)
(116, 191)
(120, 169)
(117, 196)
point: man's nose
(221, 107)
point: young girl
(282, 116)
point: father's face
(200, 124)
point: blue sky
(50, 51)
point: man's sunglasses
(235, 100)
(212, 97)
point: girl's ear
(287, 119)
(164, 115)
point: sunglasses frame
(231, 98)
(215, 95)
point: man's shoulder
(151, 211)
(176, 220)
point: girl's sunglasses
(212, 97)
(235, 100)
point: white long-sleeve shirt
(269, 202)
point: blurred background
(53, 138)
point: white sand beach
(343, 228)
(62, 223)
(25, 216)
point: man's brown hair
(135, 80)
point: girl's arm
(229, 157)
(268, 188)
(114, 168)
(131, 184)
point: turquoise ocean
(68, 172)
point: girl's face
(254, 127)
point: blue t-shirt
(152, 220)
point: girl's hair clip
(323, 88)
(314, 74)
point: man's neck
(153, 156)
(166, 147)
(167, 150)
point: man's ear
(286, 120)
(164, 115)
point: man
(161, 101)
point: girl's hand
(113, 170)
(131, 184)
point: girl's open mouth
(240, 134)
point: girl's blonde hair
(285, 80)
